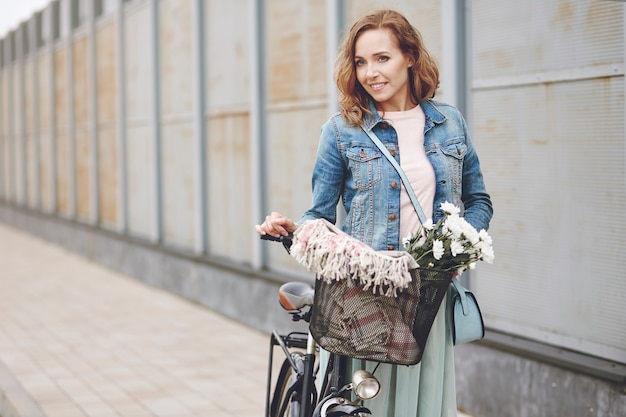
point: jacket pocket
(365, 164)
(455, 149)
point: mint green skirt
(423, 390)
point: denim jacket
(350, 166)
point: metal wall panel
(61, 126)
(535, 36)
(139, 96)
(46, 126)
(296, 52)
(228, 153)
(293, 137)
(4, 129)
(83, 145)
(227, 56)
(228, 131)
(30, 155)
(18, 141)
(296, 59)
(108, 163)
(551, 139)
(177, 146)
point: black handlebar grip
(273, 238)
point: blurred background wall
(152, 135)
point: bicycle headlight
(365, 385)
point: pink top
(409, 126)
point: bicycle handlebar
(285, 240)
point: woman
(386, 80)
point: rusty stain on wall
(61, 127)
(106, 60)
(83, 172)
(62, 163)
(108, 176)
(82, 126)
(60, 88)
(296, 56)
(228, 151)
(177, 142)
(175, 36)
(107, 152)
(46, 127)
(28, 99)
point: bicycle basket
(351, 320)
(368, 304)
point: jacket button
(384, 126)
(393, 153)
(390, 247)
(362, 154)
(394, 184)
(392, 217)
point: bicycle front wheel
(287, 397)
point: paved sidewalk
(80, 340)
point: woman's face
(382, 70)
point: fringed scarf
(334, 255)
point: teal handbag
(467, 321)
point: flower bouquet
(452, 244)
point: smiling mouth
(377, 86)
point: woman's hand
(276, 225)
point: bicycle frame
(306, 375)
(294, 297)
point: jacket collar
(432, 113)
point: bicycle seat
(292, 296)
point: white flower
(471, 234)
(487, 254)
(456, 247)
(450, 208)
(484, 236)
(437, 249)
(467, 246)
(455, 225)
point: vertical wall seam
(122, 203)
(36, 103)
(199, 131)
(2, 118)
(336, 18)
(257, 127)
(93, 116)
(71, 131)
(21, 49)
(53, 113)
(11, 118)
(157, 232)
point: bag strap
(461, 290)
(405, 180)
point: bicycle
(295, 392)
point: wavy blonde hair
(423, 75)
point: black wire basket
(353, 321)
